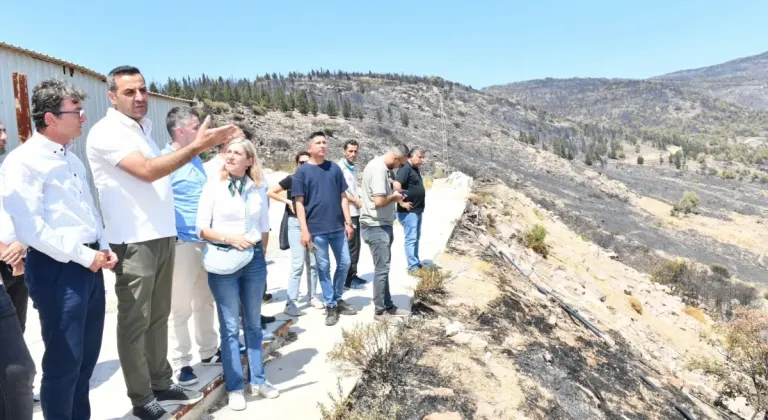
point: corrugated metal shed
(38, 67)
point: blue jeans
(244, 286)
(412, 226)
(17, 370)
(70, 300)
(297, 262)
(337, 242)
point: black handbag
(284, 244)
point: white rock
(453, 329)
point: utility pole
(442, 120)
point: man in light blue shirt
(191, 296)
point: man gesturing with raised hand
(140, 225)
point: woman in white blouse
(221, 219)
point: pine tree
(279, 101)
(313, 106)
(303, 103)
(357, 112)
(404, 119)
(330, 108)
(346, 109)
(153, 87)
(379, 115)
(389, 111)
(289, 102)
(266, 99)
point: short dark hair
(48, 96)
(415, 150)
(350, 143)
(120, 71)
(317, 134)
(400, 149)
(178, 116)
(300, 154)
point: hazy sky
(479, 43)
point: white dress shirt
(220, 211)
(134, 210)
(45, 192)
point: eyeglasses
(80, 112)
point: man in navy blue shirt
(323, 212)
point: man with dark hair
(137, 203)
(376, 220)
(322, 209)
(45, 192)
(347, 165)
(409, 213)
(191, 296)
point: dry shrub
(217, 108)
(340, 409)
(636, 305)
(362, 346)
(535, 238)
(744, 372)
(428, 181)
(696, 314)
(701, 286)
(431, 285)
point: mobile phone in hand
(404, 193)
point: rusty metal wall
(37, 70)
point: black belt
(93, 245)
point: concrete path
(300, 372)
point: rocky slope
(638, 104)
(741, 81)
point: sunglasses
(301, 162)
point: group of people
(184, 238)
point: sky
(479, 43)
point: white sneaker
(236, 401)
(316, 303)
(265, 390)
(292, 310)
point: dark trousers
(70, 300)
(354, 252)
(379, 240)
(18, 292)
(17, 370)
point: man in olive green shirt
(376, 218)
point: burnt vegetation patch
(394, 384)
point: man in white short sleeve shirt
(137, 204)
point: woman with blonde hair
(233, 217)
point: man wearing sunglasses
(45, 192)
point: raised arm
(150, 170)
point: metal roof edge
(86, 70)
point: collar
(145, 126)
(38, 139)
(349, 166)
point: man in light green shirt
(376, 218)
